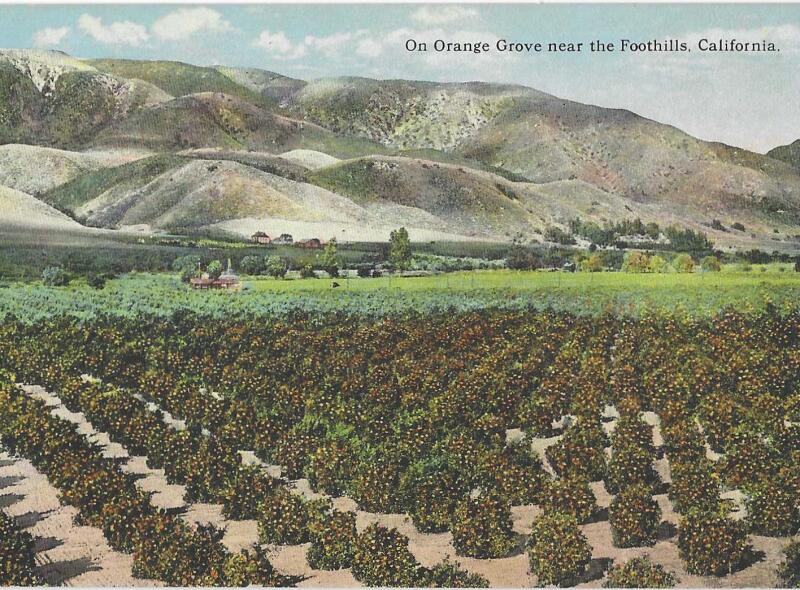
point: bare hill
(546, 139)
(36, 170)
(20, 210)
(203, 192)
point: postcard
(400, 295)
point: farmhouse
(283, 240)
(261, 238)
(312, 244)
(228, 280)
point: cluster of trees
(16, 555)
(610, 232)
(163, 546)
(56, 276)
(410, 414)
(688, 240)
(613, 233)
(638, 262)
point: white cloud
(117, 33)
(279, 45)
(50, 37)
(337, 44)
(330, 46)
(185, 22)
(362, 48)
(369, 48)
(439, 15)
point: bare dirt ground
(430, 549)
(66, 554)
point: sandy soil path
(66, 554)
(430, 549)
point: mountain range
(156, 146)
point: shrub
(96, 281)
(292, 450)
(55, 276)
(634, 517)
(16, 555)
(557, 235)
(482, 527)
(657, 264)
(636, 261)
(694, 486)
(252, 265)
(748, 459)
(333, 540)
(557, 551)
(515, 473)
(536, 415)
(376, 485)
(449, 575)
(570, 495)
(382, 558)
(710, 264)
(433, 492)
(276, 267)
(118, 521)
(633, 430)
(581, 452)
(683, 443)
(246, 490)
(330, 467)
(711, 543)
(772, 509)
(639, 572)
(630, 465)
(283, 519)
(252, 568)
(593, 263)
(683, 263)
(789, 570)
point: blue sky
(748, 100)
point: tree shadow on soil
(661, 488)
(751, 557)
(58, 572)
(8, 500)
(10, 480)
(666, 530)
(596, 569)
(600, 515)
(27, 520)
(6, 463)
(521, 545)
(42, 544)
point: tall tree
(400, 249)
(330, 258)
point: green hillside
(787, 153)
(84, 188)
(179, 79)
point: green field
(581, 293)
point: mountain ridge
(530, 138)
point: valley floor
(582, 293)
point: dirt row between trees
(513, 571)
(66, 554)
(430, 549)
